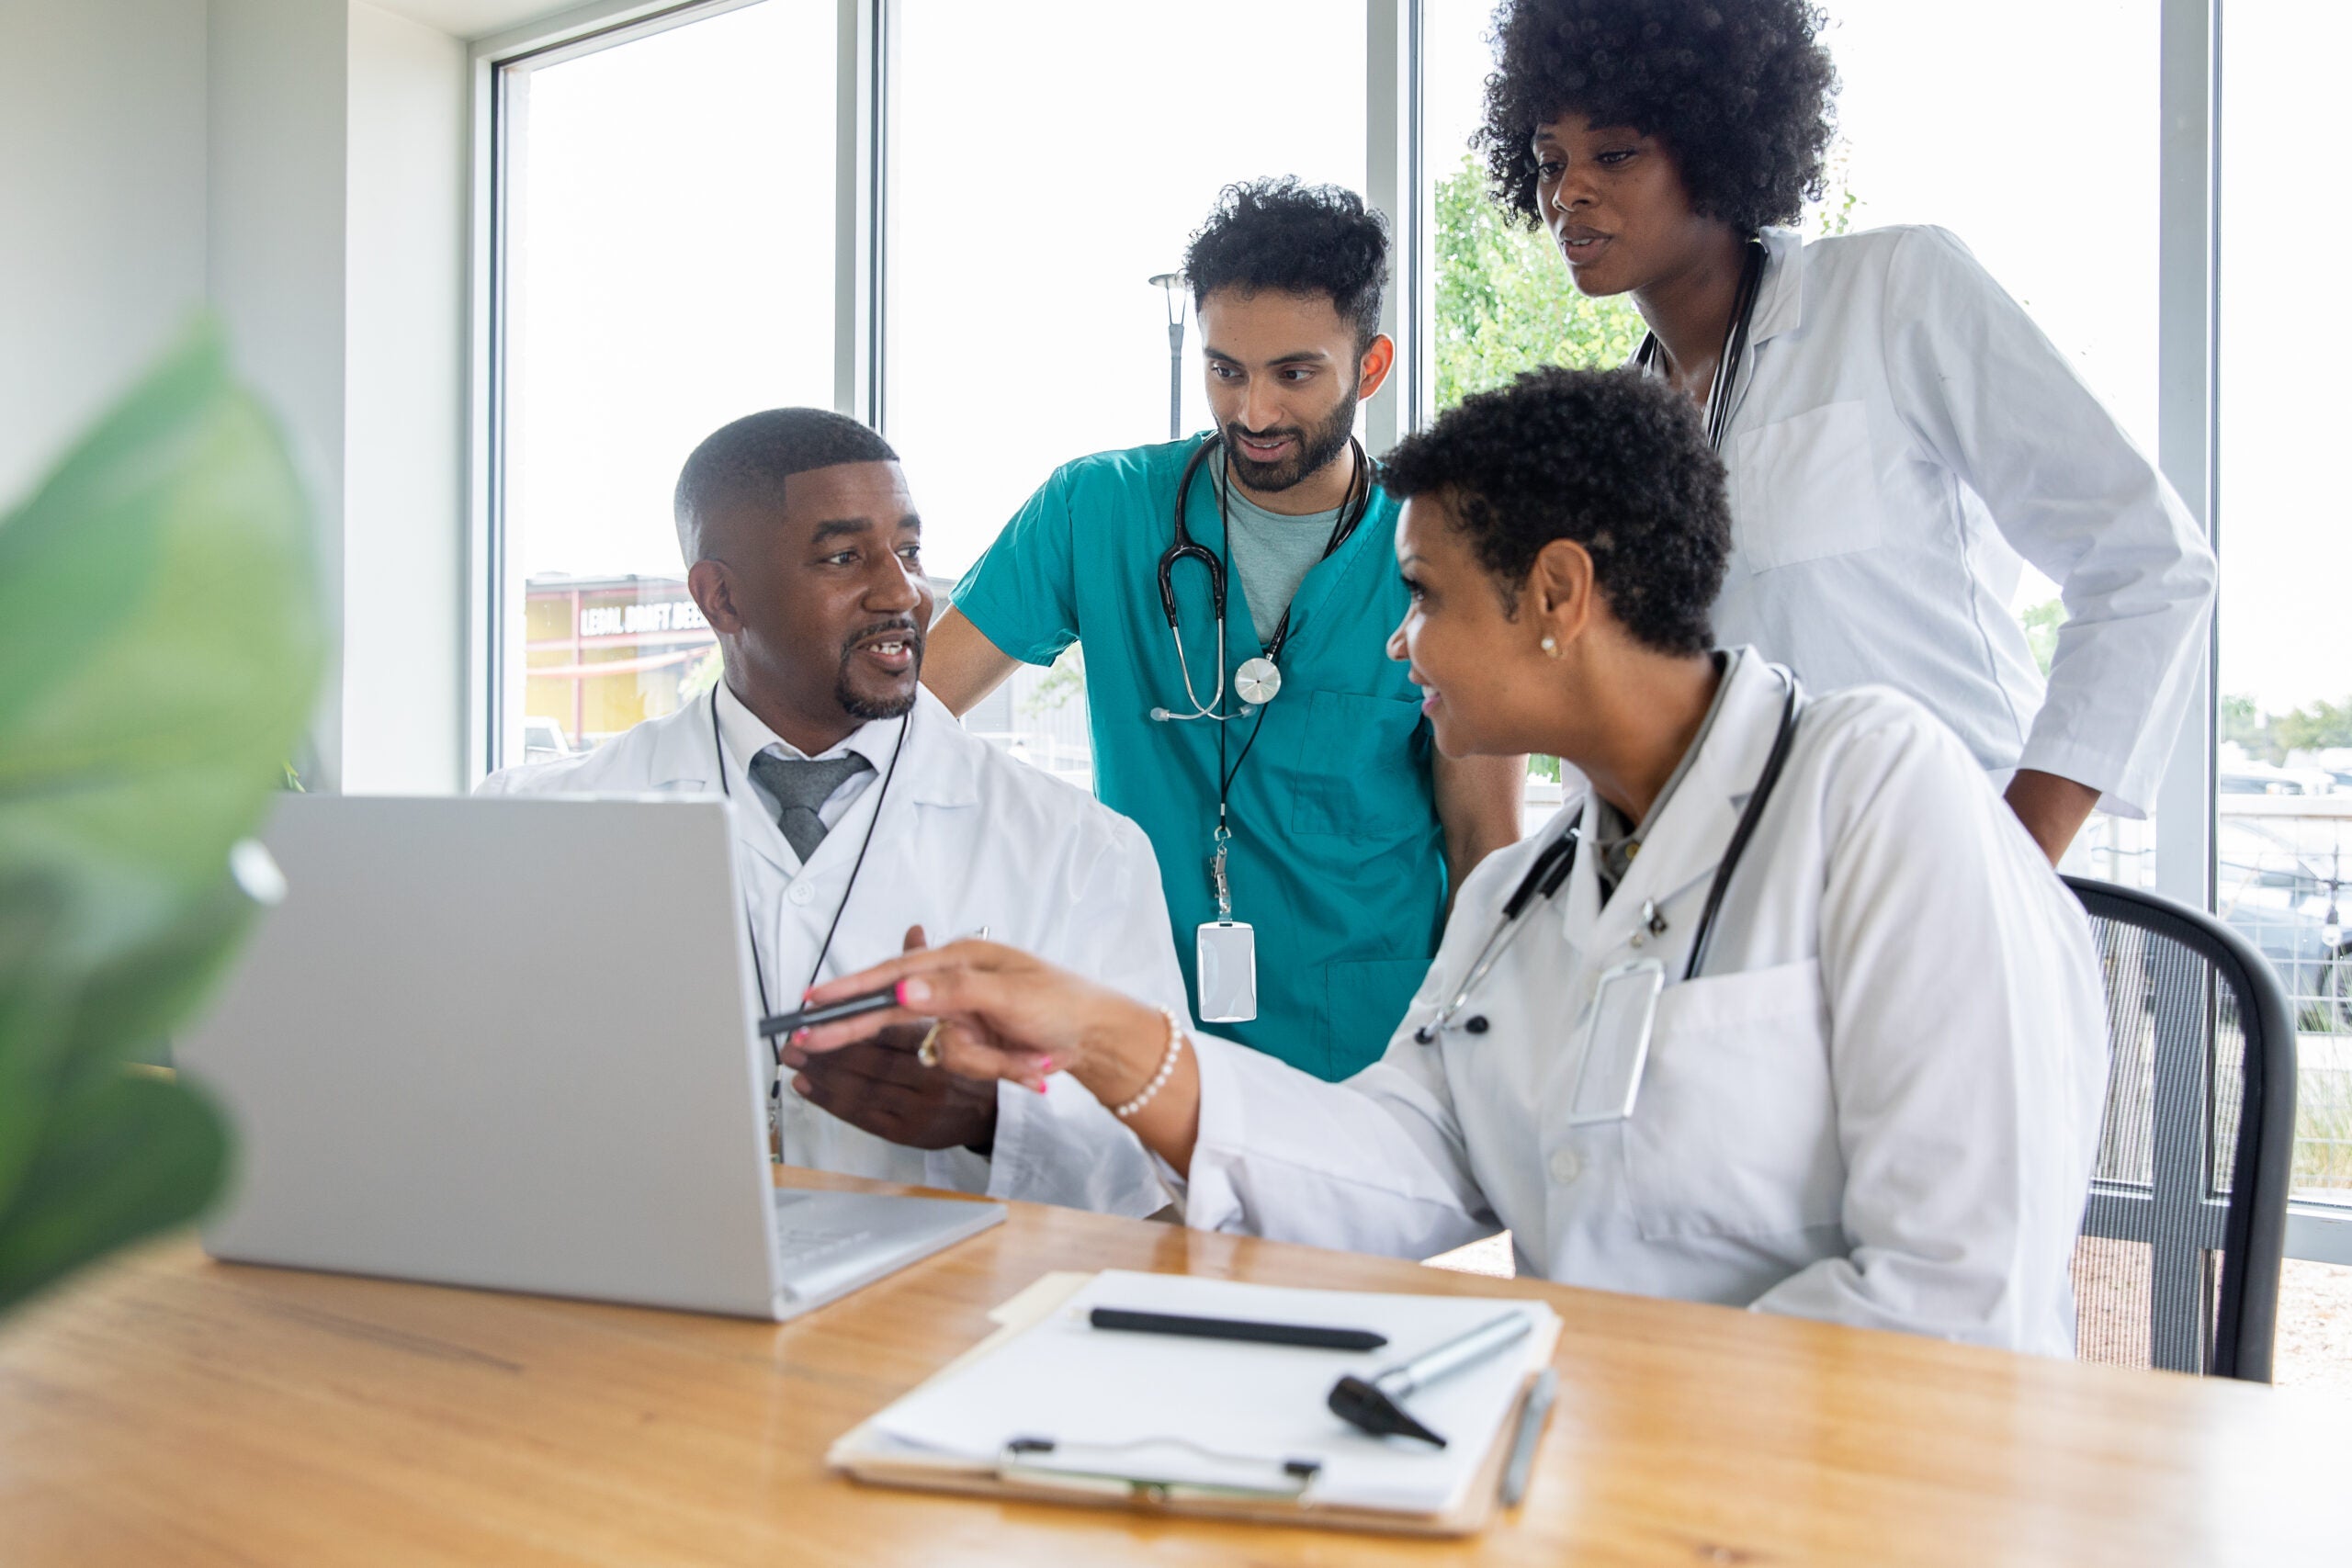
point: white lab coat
(969, 838)
(1877, 1104)
(1902, 435)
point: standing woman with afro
(1898, 432)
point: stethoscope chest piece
(1258, 682)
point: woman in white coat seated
(1876, 1101)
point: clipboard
(868, 1454)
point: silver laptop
(509, 1042)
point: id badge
(1225, 958)
(1616, 1042)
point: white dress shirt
(747, 736)
(1876, 1104)
(968, 837)
(1901, 435)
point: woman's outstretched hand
(1005, 1014)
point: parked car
(544, 739)
(2288, 902)
(2259, 778)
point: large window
(2283, 834)
(666, 239)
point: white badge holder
(1226, 957)
(1224, 953)
(1616, 1042)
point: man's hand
(878, 1085)
(2053, 809)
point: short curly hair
(1612, 459)
(1297, 239)
(1738, 90)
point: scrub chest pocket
(1805, 488)
(1736, 1132)
(1348, 743)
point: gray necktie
(801, 787)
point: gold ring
(928, 1052)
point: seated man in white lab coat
(862, 810)
(1870, 1096)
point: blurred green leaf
(160, 645)
(128, 1156)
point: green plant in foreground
(160, 643)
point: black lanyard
(759, 972)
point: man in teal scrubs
(1342, 816)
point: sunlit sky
(674, 252)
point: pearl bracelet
(1159, 1079)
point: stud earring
(1550, 647)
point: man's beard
(1317, 445)
(867, 709)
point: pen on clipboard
(1303, 1335)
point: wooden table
(173, 1410)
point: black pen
(1304, 1335)
(848, 1006)
(830, 1012)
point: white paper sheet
(1212, 1411)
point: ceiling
(474, 19)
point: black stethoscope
(1751, 283)
(1551, 870)
(1260, 679)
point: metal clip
(1216, 875)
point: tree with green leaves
(1504, 299)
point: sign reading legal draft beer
(634, 620)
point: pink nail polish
(800, 1037)
(900, 991)
(1045, 1064)
(1039, 1085)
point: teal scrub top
(1338, 859)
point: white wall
(404, 407)
(274, 252)
(102, 209)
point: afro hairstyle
(1738, 90)
(1614, 460)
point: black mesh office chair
(2177, 1266)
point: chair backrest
(2177, 1265)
